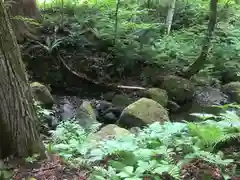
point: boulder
(101, 106)
(179, 89)
(106, 112)
(65, 106)
(206, 100)
(121, 100)
(86, 115)
(208, 96)
(233, 90)
(142, 112)
(42, 94)
(157, 94)
(109, 131)
(204, 80)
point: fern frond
(227, 138)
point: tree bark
(18, 120)
(26, 9)
(202, 58)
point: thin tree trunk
(18, 121)
(202, 58)
(170, 14)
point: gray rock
(106, 112)
(206, 98)
(86, 115)
(67, 111)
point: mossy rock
(233, 90)
(121, 100)
(157, 94)
(205, 80)
(201, 81)
(108, 131)
(142, 112)
(112, 130)
(42, 94)
(178, 89)
(86, 115)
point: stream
(68, 102)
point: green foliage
(32, 159)
(210, 133)
(41, 112)
(68, 139)
(141, 30)
(157, 151)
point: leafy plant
(157, 151)
(32, 159)
(139, 33)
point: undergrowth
(156, 152)
(139, 31)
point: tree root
(85, 77)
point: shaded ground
(55, 169)
(50, 169)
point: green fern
(228, 138)
(208, 157)
(206, 135)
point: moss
(142, 112)
(42, 94)
(178, 89)
(158, 95)
(111, 130)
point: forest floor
(48, 170)
(55, 169)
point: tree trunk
(202, 58)
(26, 9)
(170, 14)
(18, 120)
